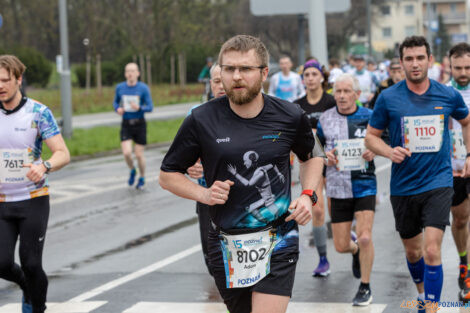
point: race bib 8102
(247, 257)
(423, 133)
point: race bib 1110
(423, 133)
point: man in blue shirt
(416, 112)
(132, 100)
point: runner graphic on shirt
(261, 181)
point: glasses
(242, 69)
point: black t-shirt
(256, 148)
(314, 111)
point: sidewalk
(166, 112)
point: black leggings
(28, 220)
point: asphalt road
(112, 249)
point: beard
(462, 80)
(245, 96)
(417, 80)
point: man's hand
(466, 168)
(332, 160)
(196, 171)
(218, 192)
(36, 172)
(368, 155)
(232, 169)
(120, 111)
(399, 154)
(301, 210)
(135, 106)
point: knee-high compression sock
(433, 278)
(320, 233)
(416, 270)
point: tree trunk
(98, 74)
(149, 71)
(172, 70)
(142, 67)
(88, 73)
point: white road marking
(383, 167)
(144, 271)
(64, 307)
(297, 307)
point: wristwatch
(48, 166)
(311, 193)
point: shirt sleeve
(117, 99)
(304, 142)
(379, 119)
(147, 103)
(320, 134)
(47, 125)
(461, 110)
(185, 149)
(300, 86)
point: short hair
(459, 50)
(347, 76)
(133, 63)
(245, 43)
(334, 62)
(12, 64)
(414, 41)
(211, 71)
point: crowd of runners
(238, 146)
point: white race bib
(247, 257)
(459, 151)
(349, 154)
(127, 100)
(423, 133)
(11, 165)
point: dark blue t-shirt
(140, 90)
(422, 171)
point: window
(387, 32)
(385, 9)
(410, 31)
(409, 9)
(453, 7)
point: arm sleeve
(47, 125)
(117, 99)
(379, 118)
(304, 142)
(147, 103)
(461, 110)
(185, 149)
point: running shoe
(140, 183)
(356, 265)
(462, 275)
(464, 294)
(421, 306)
(363, 297)
(132, 177)
(26, 307)
(353, 236)
(323, 268)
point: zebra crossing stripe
(59, 307)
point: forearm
(311, 173)
(59, 159)
(181, 186)
(466, 137)
(378, 146)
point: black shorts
(427, 209)
(342, 210)
(461, 190)
(279, 281)
(135, 130)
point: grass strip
(96, 140)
